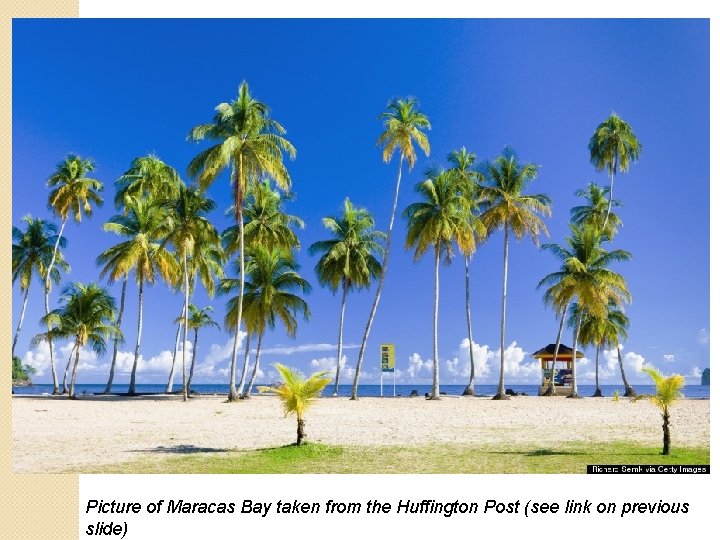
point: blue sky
(113, 90)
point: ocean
(366, 390)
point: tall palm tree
(595, 211)
(144, 225)
(437, 222)
(198, 318)
(616, 332)
(585, 278)
(613, 147)
(189, 227)
(667, 392)
(297, 393)
(148, 176)
(510, 209)
(87, 315)
(404, 127)
(348, 260)
(463, 163)
(32, 251)
(72, 192)
(251, 144)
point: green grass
(319, 458)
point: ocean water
(366, 390)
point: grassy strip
(319, 458)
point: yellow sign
(387, 358)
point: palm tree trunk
(67, 370)
(501, 384)
(574, 392)
(612, 181)
(598, 392)
(666, 432)
(376, 301)
(71, 394)
(192, 362)
(169, 387)
(300, 430)
(131, 389)
(435, 391)
(629, 390)
(233, 395)
(551, 386)
(470, 388)
(185, 324)
(48, 273)
(246, 363)
(340, 336)
(108, 386)
(248, 389)
(22, 318)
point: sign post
(387, 364)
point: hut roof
(564, 350)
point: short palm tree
(667, 391)
(509, 208)
(297, 393)
(144, 225)
(72, 193)
(148, 176)
(86, 315)
(32, 251)
(404, 127)
(348, 260)
(613, 147)
(198, 318)
(437, 222)
(595, 211)
(617, 324)
(463, 163)
(249, 143)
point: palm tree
(509, 208)
(614, 147)
(148, 176)
(87, 315)
(591, 332)
(616, 332)
(297, 393)
(404, 127)
(667, 391)
(198, 318)
(251, 145)
(463, 162)
(144, 224)
(585, 278)
(32, 251)
(595, 211)
(436, 222)
(189, 227)
(72, 192)
(348, 260)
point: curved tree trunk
(501, 385)
(22, 318)
(248, 389)
(435, 391)
(246, 363)
(574, 392)
(192, 362)
(551, 386)
(340, 336)
(48, 273)
(629, 390)
(598, 392)
(233, 394)
(108, 386)
(131, 389)
(169, 387)
(666, 432)
(470, 388)
(612, 181)
(185, 325)
(67, 370)
(300, 430)
(71, 394)
(376, 301)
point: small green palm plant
(667, 391)
(297, 393)
(616, 396)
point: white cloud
(669, 357)
(695, 374)
(307, 347)
(703, 337)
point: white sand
(56, 434)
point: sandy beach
(52, 434)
